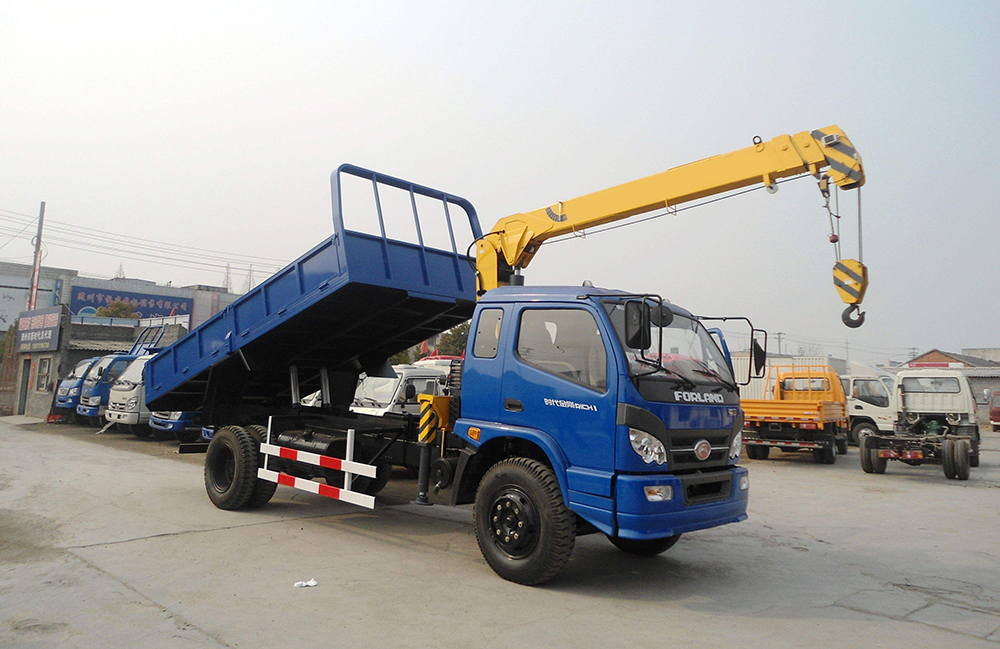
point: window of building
(42, 371)
(564, 342)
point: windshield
(132, 375)
(375, 391)
(81, 369)
(689, 352)
(95, 372)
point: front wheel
(523, 527)
(866, 455)
(860, 430)
(647, 548)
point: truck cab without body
(935, 424)
(96, 386)
(127, 399)
(377, 395)
(869, 405)
(68, 392)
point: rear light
(913, 455)
(889, 453)
(808, 426)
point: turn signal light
(913, 455)
(474, 433)
(659, 493)
(889, 453)
(808, 426)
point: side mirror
(759, 355)
(100, 372)
(661, 316)
(637, 334)
(410, 392)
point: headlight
(63, 392)
(74, 391)
(95, 401)
(132, 403)
(736, 446)
(648, 447)
(175, 415)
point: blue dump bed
(346, 305)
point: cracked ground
(110, 541)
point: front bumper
(68, 402)
(700, 501)
(90, 411)
(169, 425)
(123, 417)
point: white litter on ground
(306, 584)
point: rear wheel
(231, 467)
(878, 463)
(866, 455)
(825, 455)
(523, 527)
(758, 452)
(263, 490)
(962, 450)
(647, 548)
(842, 445)
(974, 457)
(948, 458)
(141, 430)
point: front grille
(116, 406)
(681, 449)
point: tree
(118, 309)
(453, 341)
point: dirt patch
(26, 537)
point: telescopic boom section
(514, 240)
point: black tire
(878, 463)
(866, 455)
(649, 548)
(841, 445)
(751, 451)
(187, 436)
(962, 451)
(974, 457)
(142, 431)
(758, 452)
(948, 458)
(81, 420)
(524, 529)
(231, 468)
(263, 490)
(860, 429)
(825, 455)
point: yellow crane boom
(513, 242)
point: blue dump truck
(95, 390)
(68, 392)
(577, 409)
(182, 425)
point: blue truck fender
(498, 442)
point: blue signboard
(38, 330)
(86, 301)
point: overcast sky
(217, 125)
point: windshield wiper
(708, 371)
(658, 367)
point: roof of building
(101, 345)
(971, 361)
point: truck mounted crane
(576, 410)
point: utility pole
(847, 352)
(779, 335)
(36, 270)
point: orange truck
(805, 409)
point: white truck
(379, 395)
(127, 400)
(935, 424)
(869, 405)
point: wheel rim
(224, 470)
(514, 523)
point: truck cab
(127, 399)
(995, 411)
(869, 406)
(97, 386)
(640, 426)
(378, 395)
(68, 392)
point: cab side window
(566, 343)
(872, 392)
(487, 333)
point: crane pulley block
(850, 277)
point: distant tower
(121, 271)
(249, 283)
(227, 280)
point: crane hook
(851, 321)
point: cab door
(559, 379)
